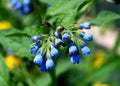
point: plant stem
(37, 12)
(53, 77)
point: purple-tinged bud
(57, 33)
(60, 28)
(36, 38)
(58, 41)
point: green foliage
(61, 12)
(105, 17)
(4, 73)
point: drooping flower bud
(85, 50)
(66, 37)
(75, 59)
(57, 41)
(85, 25)
(35, 48)
(38, 58)
(86, 37)
(49, 63)
(36, 38)
(54, 52)
(73, 49)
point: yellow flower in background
(4, 25)
(99, 84)
(100, 59)
(12, 61)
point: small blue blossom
(36, 38)
(85, 50)
(38, 58)
(54, 52)
(49, 63)
(66, 37)
(43, 66)
(35, 48)
(73, 49)
(85, 25)
(86, 37)
(75, 59)
(57, 41)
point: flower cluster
(46, 48)
(23, 7)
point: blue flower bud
(35, 48)
(73, 49)
(85, 50)
(49, 63)
(54, 52)
(86, 37)
(57, 33)
(66, 37)
(14, 2)
(26, 9)
(18, 5)
(26, 2)
(75, 59)
(57, 41)
(43, 66)
(38, 58)
(85, 25)
(36, 38)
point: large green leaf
(16, 41)
(103, 72)
(105, 17)
(19, 41)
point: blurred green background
(101, 68)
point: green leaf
(36, 30)
(19, 41)
(19, 45)
(16, 41)
(105, 17)
(4, 73)
(63, 12)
